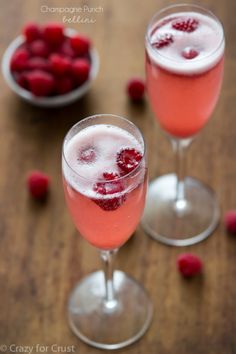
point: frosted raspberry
(163, 41)
(185, 25)
(38, 184)
(87, 155)
(189, 264)
(109, 176)
(108, 189)
(127, 159)
(189, 53)
(135, 89)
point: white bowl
(55, 101)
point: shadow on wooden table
(53, 122)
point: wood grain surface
(41, 254)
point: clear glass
(107, 309)
(180, 210)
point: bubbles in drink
(92, 155)
(187, 43)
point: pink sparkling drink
(105, 202)
(184, 64)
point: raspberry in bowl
(49, 65)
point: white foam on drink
(106, 140)
(207, 39)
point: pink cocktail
(184, 68)
(105, 180)
(113, 214)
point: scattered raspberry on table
(38, 184)
(230, 221)
(189, 264)
(135, 89)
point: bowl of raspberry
(50, 65)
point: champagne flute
(184, 68)
(105, 179)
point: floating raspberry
(163, 41)
(189, 53)
(189, 264)
(107, 189)
(38, 184)
(230, 221)
(41, 83)
(59, 64)
(127, 159)
(80, 44)
(110, 176)
(31, 32)
(53, 33)
(87, 155)
(39, 48)
(19, 60)
(38, 63)
(136, 89)
(64, 85)
(185, 24)
(80, 69)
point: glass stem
(108, 259)
(179, 146)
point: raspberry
(59, 64)
(66, 49)
(41, 83)
(80, 44)
(163, 41)
(19, 60)
(109, 188)
(22, 81)
(31, 32)
(38, 63)
(189, 53)
(80, 69)
(127, 159)
(110, 176)
(64, 84)
(185, 25)
(39, 48)
(38, 184)
(230, 221)
(53, 33)
(189, 264)
(135, 89)
(87, 155)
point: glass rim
(130, 174)
(209, 12)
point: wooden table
(41, 254)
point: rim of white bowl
(55, 101)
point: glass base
(181, 223)
(114, 325)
